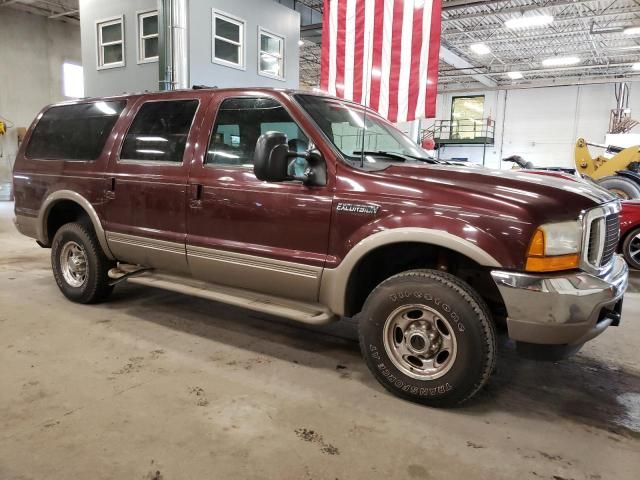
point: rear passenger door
(145, 185)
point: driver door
(242, 232)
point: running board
(311, 313)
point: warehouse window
(148, 36)
(159, 132)
(228, 40)
(110, 43)
(74, 132)
(270, 55)
(467, 115)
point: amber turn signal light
(537, 261)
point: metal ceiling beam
(541, 70)
(63, 14)
(457, 61)
(506, 10)
(538, 83)
(459, 4)
(499, 25)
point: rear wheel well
(63, 212)
(388, 260)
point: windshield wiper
(425, 159)
(380, 153)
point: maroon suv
(311, 208)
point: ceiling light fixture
(530, 21)
(514, 75)
(560, 61)
(480, 48)
(632, 31)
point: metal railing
(461, 131)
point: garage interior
(160, 385)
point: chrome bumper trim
(562, 308)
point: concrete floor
(156, 385)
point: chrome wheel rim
(420, 342)
(73, 262)
(634, 249)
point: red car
(630, 233)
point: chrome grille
(601, 235)
(611, 237)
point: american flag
(383, 54)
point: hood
(540, 195)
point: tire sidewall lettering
(439, 304)
(408, 387)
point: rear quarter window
(74, 132)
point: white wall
(134, 76)
(540, 124)
(32, 51)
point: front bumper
(562, 309)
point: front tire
(631, 249)
(428, 337)
(80, 267)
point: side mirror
(271, 157)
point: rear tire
(631, 249)
(80, 267)
(428, 337)
(624, 188)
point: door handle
(196, 196)
(110, 192)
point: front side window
(271, 55)
(360, 136)
(228, 40)
(110, 34)
(74, 132)
(241, 121)
(148, 37)
(159, 132)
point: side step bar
(310, 313)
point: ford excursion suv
(311, 208)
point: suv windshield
(349, 128)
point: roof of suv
(170, 93)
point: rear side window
(159, 131)
(74, 132)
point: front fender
(334, 281)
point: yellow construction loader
(617, 170)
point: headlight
(554, 246)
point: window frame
(141, 15)
(105, 22)
(282, 54)
(242, 24)
(156, 163)
(458, 121)
(205, 164)
(457, 97)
